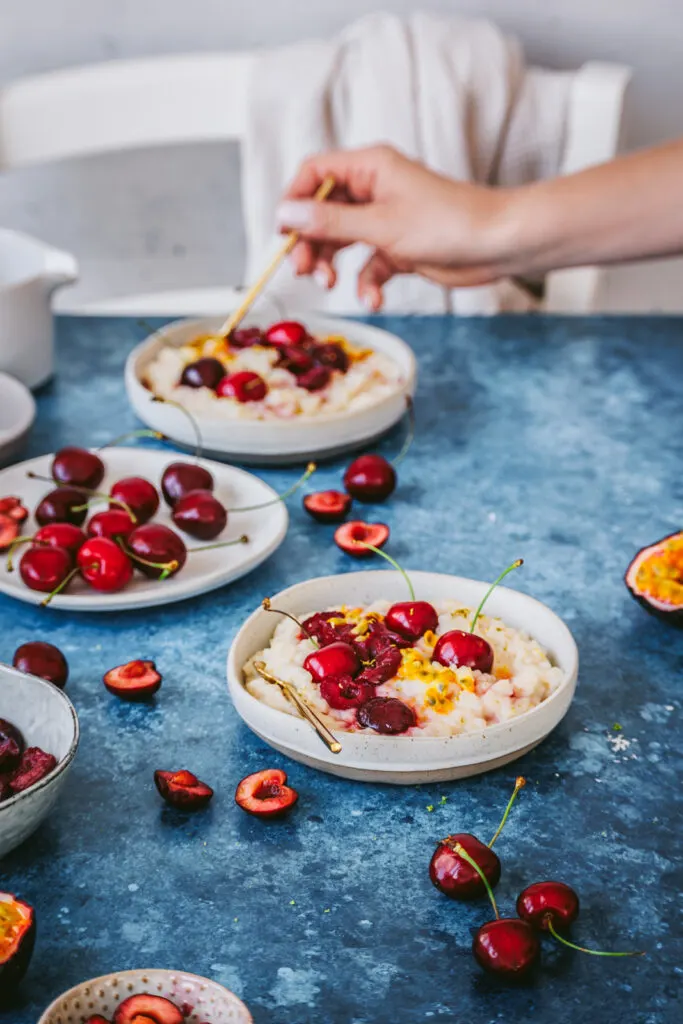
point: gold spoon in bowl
(302, 706)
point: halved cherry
(34, 765)
(147, 1009)
(137, 680)
(9, 531)
(17, 938)
(343, 693)
(333, 355)
(286, 332)
(353, 537)
(246, 337)
(11, 746)
(265, 795)
(98, 1020)
(328, 506)
(315, 379)
(183, 790)
(12, 507)
(296, 360)
(244, 386)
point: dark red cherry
(59, 506)
(113, 523)
(103, 565)
(61, 535)
(138, 494)
(35, 764)
(286, 332)
(343, 693)
(508, 947)
(243, 386)
(386, 715)
(77, 467)
(246, 337)
(457, 648)
(39, 658)
(546, 901)
(454, 877)
(353, 537)
(315, 379)
(411, 619)
(336, 659)
(204, 373)
(182, 477)
(200, 514)
(333, 356)
(328, 506)
(11, 748)
(44, 568)
(183, 790)
(384, 666)
(156, 550)
(370, 478)
(296, 360)
(265, 795)
(148, 1009)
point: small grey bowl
(47, 719)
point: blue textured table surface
(558, 441)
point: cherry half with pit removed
(183, 790)
(148, 1009)
(358, 538)
(39, 658)
(328, 506)
(12, 515)
(135, 681)
(331, 355)
(344, 693)
(35, 764)
(182, 477)
(17, 939)
(265, 794)
(77, 467)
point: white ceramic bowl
(17, 413)
(405, 759)
(46, 718)
(212, 1004)
(274, 441)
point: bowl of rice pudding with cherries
(272, 392)
(407, 688)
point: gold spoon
(304, 709)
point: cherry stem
(223, 544)
(97, 496)
(515, 565)
(582, 949)
(520, 782)
(310, 469)
(462, 852)
(58, 589)
(130, 435)
(195, 426)
(266, 605)
(391, 561)
(12, 548)
(168, 567)
(410, 434)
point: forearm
(628, 209)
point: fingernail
(292, 214)
(321, 278)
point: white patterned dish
(46, 718)
(211, 1003)
(275, 441)
(202, 572)
(406, 759)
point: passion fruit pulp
(655, 578)
(17, 938)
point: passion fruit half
(17, 938)
(655, 578)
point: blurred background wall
(165, 218)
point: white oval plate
(202, 572)
(17, 413)
(274, 441)
(406, 760)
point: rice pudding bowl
(282, 373)
(442, 700)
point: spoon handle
(304, 709)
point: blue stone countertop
(554, 440)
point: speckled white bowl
(274, 441)
(405, 760)
(46, 718)
(212, 1004)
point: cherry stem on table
(198, 442)
(462, 852)
(515, 565)
(391, 561)
(410, 435)
(520, 782)
(582, 949)
(310, 469)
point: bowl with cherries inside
(381, 676)
(272, 392)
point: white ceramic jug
(29, 273)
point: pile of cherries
(145, 1008)
(20, 766)
(115, 542)
(310, 361)
(464, 868)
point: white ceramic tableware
(210, 1002)
(46, 718)
(29, 273)
(405, 759)
(275, 441)
(203, 571)
(17, 413)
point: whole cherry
(113, 524)
(246, 337)
(138, 495)
(200, 514)
(182, 477)
(336, 659)
(332, 355)
(343, 693)
(156, 550)
(411, 619)
(296, 360)
(39, 658)
(45, 568)
(315, 379)
(386, 715)
(203, 373)
(135, 681)
(244, 386)
(63, 505)
(507, 947)
(370, 478)
(286, 332)
(77, 467)
(56, 535)
(103, 565)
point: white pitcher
(29, 273)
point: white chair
(123, 105)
